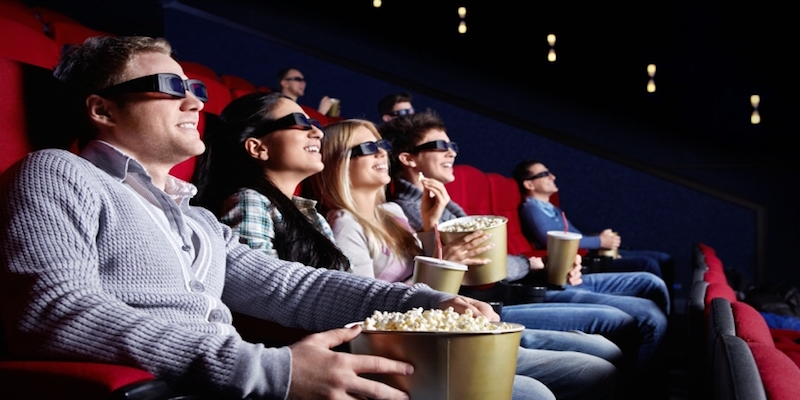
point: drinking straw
(566, 225)
(438, 240)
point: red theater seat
(23, 43)
(505, 199)
(198, 71)
(470, 190)
(735, 374)
(780, 376)
(66, 33)
(22, 14)
(48, 16)
(715, 290)
(12, 114)
(237, 85)
(715, 276)
(750, 325)
(314, 114)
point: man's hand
(324, 105)
(574, 276)
(318, 372)
(461, 304)
(609, 240)
(463, 249)
(434, 200)
(536, 263)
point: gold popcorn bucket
(494, 271)
(447, 365)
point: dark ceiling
(710, 55)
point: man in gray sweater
(104, 260)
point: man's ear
(386, 117)
(407, 160)
(528, 184)
(101, 111)
(256, 149)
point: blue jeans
(545, 374)
(641, 295)
(589, 318)
(595, 345)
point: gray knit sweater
(85, 274)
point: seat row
(737, 355)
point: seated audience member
(292, 84)
(395, 105)
(376, 237)
(104, 260)
(420, 144)
(537, 215)
(252, 166)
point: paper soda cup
(441, 275)
(561, 250)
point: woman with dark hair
(264, 148)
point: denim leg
(589, 318)
(569, 375)
(637, 284)
(595, 345)
(527, 388)
(650, 320)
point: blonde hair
(333, 188)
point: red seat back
(750, 325)
(505, 199)
(66, 33)
(470, 190)
(198, 71)
(22, 14)
(13, 129)
(715, 290)
(23, 43)
(237, 85)
(778, 373)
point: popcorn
(417, 320)
(420, 177)
(473, 224)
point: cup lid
(563, 235)
(442, 263)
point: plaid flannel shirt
(253, 216)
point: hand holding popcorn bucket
(495, 270)
(455, 356)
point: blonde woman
(375, 235)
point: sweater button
(186, 247)
(215, 316)
(197, 286)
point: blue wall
(649, 212)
